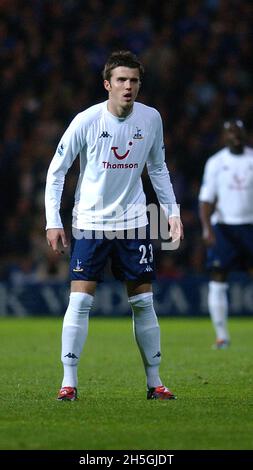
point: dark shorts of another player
(131, 259)
(233, 249)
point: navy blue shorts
(131, 259)
(233, 249)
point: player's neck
(237, 150)
(119, 111)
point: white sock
(74, 334)
(147, 335)
(218, 308)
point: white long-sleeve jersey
(228, 182)
(113, 152)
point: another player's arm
(160, 179)
(67, 150)
(207, 200)
(205, 211)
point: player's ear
(107, 85)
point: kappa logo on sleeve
(61, 148)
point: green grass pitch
(214, 409)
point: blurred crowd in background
(198, 59)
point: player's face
(123, 88)
(235, 138)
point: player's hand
(208, 236)
(176, 228)
(56, 238)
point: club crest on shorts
(78, 268)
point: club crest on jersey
(121, 156)
(138, 135)
(78, 268)
(238, 182)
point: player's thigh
(218, 275)
(245, 241)
(88, 259)
(138, 287)
(87, 287)
(221, 255)
(133, 261)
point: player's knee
(141, 301)
(79, 303)
(217, 287)
(143, 310)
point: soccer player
(114, 139)
(226, 213)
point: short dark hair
(122, 59)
